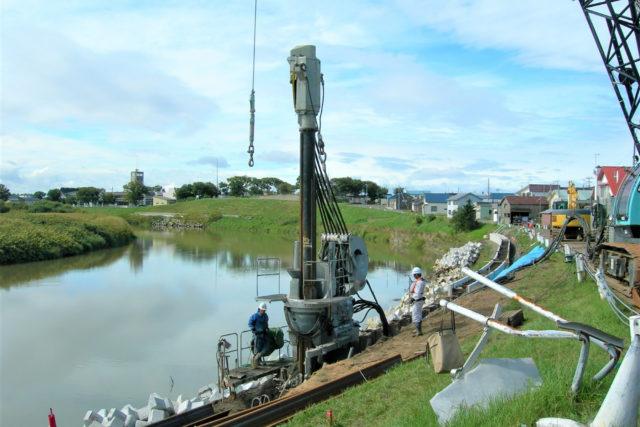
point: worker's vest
(414, 284)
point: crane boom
(615, 25)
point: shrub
(40, 236)
(465, 218)
(17, 206)
(418, 219)
(49, 206)
(3, 207)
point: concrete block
(183, 406)
(92, 416)
(162, 403)
(197, 404)
(115, 422)
(116, 413)
(95, 424)
(156, 402)
(128, 409)
(131, 419)
(143, 413)
(177, 403)
(141, 423)
(156, 415)
(102, 413)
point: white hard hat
(262, 306)
(416, 270)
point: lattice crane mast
(615, 25)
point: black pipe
(308, 211)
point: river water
(108, 328)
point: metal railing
(265, 261)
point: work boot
(418, 330)
(254, 361)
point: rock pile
(446, 270)
(174, 223)
(158, 408)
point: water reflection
(119, 323)
(19, 274)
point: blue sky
(428, 95)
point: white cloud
(157, 86)
(549, 33)
(50, 81)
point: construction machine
(615, 26)
(325, 280)
(561, 209)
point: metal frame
(583, 333)
(222, 357)
(258, 274)
(468, 364)
(618, 42)
(243, 347)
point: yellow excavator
(560, 209)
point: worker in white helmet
(259, 324)
(416, 294)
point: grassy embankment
(32, 236)
(395, 235)
(26, 236)
(401, 397)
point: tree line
(236, 186)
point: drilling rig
(320, 305)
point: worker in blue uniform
(259, 324)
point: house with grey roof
(434, 203)
(460, 199)
(514, 209)
(489, 207)
(559, 199)
(400, 201)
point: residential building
(27, 199)
(67, 191)
(533, 190)
(559, 199)
(358, 200)
(434, 203)
(514, 209)
(489, 207)
(608, 180)
(460, 199)
(400, 201)
(163, 201)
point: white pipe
(525, 302)
(502, 327)
(620, 406)
(514, 296)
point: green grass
(399, 235)
(401, 397)
(28, 237)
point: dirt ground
(405, 344)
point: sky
(455, 96)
